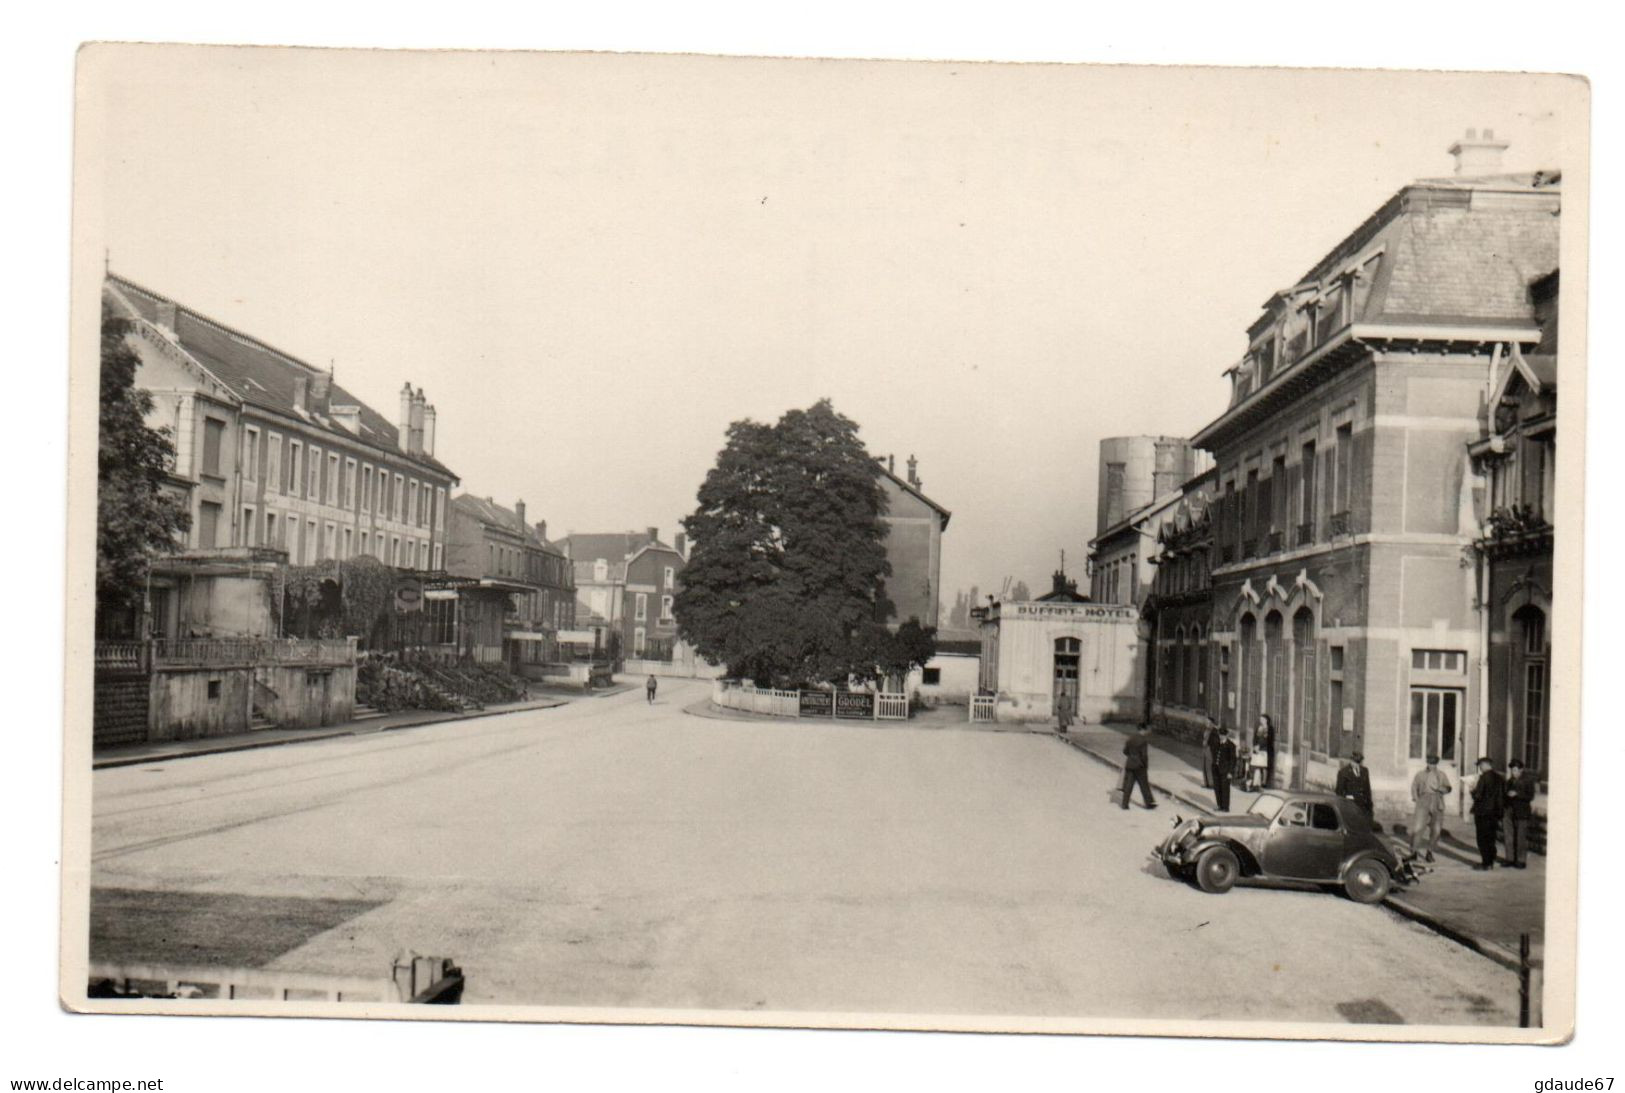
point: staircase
(361, 711)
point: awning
(525, 635)
(576, 637)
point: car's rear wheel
(1217, 870)
(1367, 881)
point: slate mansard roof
(263, 376)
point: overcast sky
(592, 264)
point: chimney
(321, 385)
(654, 535)
(891, 463)
(913, 473)
(428, 430)
(541, 530)
(1478, 154)
(166, 316)
(415, 422)
(301, 392)
(519, 511)
(680, 542)
(403, 424)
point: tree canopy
(786, 582)
(135, 518)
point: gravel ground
(609, 853)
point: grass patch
(138, 926)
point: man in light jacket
(1428, 789)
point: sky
(592, 264)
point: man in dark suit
(1224, 768)
(1137, 766)
(1520, 795)
(1489, 800)
(1354, 782)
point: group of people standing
(1502, 806)
(1221, 755)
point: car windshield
(1266, 806)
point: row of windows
(1527, 476)
(310, 541)
(1284, 509)
(341, 481)
(640, 606)
(1115, 582)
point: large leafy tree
(135, 518)
(786, 581)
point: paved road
(609, 853)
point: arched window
(1176, 689)
(1252, 672)
(1275, 672)
(1531, 688)
(1198, 693)
(1305, 683)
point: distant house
(914, 525)
(626, 583)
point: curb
(228, 745)
(1485, 948)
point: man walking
(1063, 711)
(1489, 799)
(1520, 796)
(649, 689)
(1224, 768)
(1354, 782)
(1428, 790)
(1137, 766)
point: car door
(1305, 842)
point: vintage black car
(1316, 838)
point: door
(1068, 652)
(1305, 842)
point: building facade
(1136, 470)
(914, 527)
(1346, 505)
(1035, 651)
(496, 547)
(1516, 458)
(270, 452)
(625, 585)
(1179, 614)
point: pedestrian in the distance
(1210, 741)
(1137, 766)
(1264, 737)
(1354, 782)
(1428, 790)
(1489, 800)
(649, 689)
(1063, 711)
(1520, 797)
(1224, 769)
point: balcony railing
(1306, 534)
(1276, 542)
(219, 651)
(1339, 523)
(1227, 554)
(1249, 548)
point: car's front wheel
(1217, 870)
(1367, 881)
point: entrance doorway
(1068, 652)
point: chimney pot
(428, 430)
(519, 511)
(654, 534)
(541, 529)
(403, 423)
(1478, 155)
(301, 392)
(680, 542)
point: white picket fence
(748, 698)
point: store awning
(525, 635)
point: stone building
(529, 580)
(625, 586)
(1179, 614)
(1516, 456)
(1347, 507)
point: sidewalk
(1484, 911)
(931, 717)
(135, 754)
